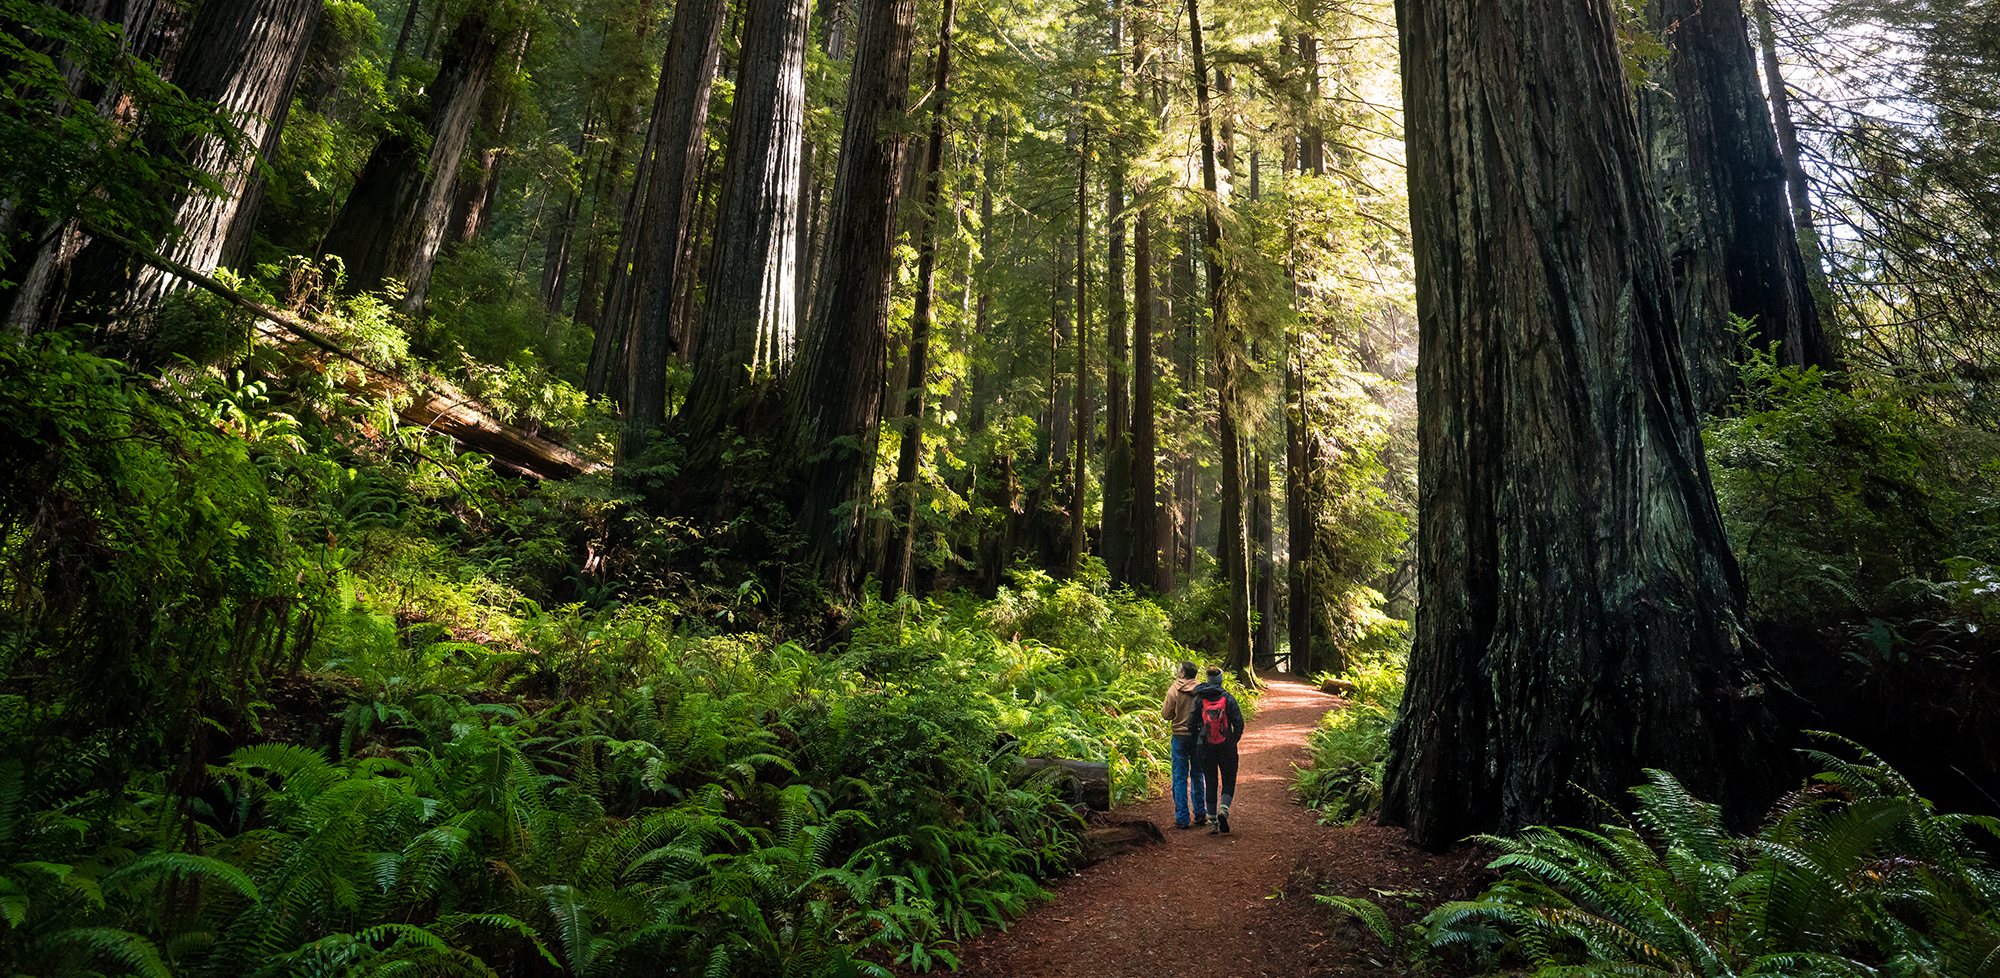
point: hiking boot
(1183, 825)
(1222, 824)
(1218, 828)
(1201, 820)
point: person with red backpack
(1218, 725)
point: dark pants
(1217, 766)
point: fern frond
(183, 864)
(1364, 910)
(136, 953)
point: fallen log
(451, 413)
(1088, 782)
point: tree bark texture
(394, 219)
(252, 51)
(750, 322)
(1581, 613)
(1145, 564)
(837, 402)
(680, 110)
(898, 575)
(1720, 186)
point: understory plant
(1349, 745)
(1853, 874)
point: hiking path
(1237, 905)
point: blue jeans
(1184, 773)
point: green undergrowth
(1854, 874)
(1343, 780)
(288, 690)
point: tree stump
(1108, 837)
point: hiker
(1218, 725)
(1179, 710)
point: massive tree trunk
(837, 403)
(252, 53)
(394, 219)
(1227, 345)
(1721, 190)
(680, 111)
(1582, 615)
(898, 575)
(607, 374)
(750, 323)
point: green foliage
(1846, 505)
(1852, 875)
(150, 581)
(1350, 745)
(69, 155)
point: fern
(1856, 870)
(1365, 911)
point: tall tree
(898, 575)
(836, 404)
(1148, 544)
(1722, 196)
(393, 221)
(252, 52)
(1083, 426)
(1800, 193)
(749, 324)
(1582, 615)
(680, 113)
(1226, 343)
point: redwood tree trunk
(1722, 200)
(680, 108)
(750, 322)
(837, 402)
(1788, 147)
(394, 219)
(251, 55)
(1582, 615)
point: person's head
(1187, 670)
(1215, 674)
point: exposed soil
(1236, 905)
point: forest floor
(1238, 905)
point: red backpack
(1215, 719)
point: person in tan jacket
(1178, 709)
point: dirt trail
(1227, 906)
